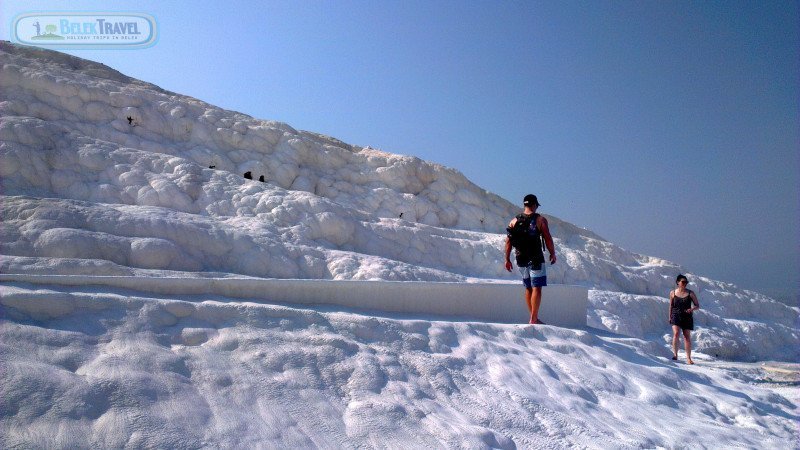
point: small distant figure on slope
(682, 303)
(248, 175)
(528, 233)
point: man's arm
(508, 246)
(508, 255)
(548, 240)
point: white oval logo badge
(85, 30)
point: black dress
(678, 316)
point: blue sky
(669, 128)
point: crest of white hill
(105, 174)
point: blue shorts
(533, 278)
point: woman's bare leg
(676, 332)
(687, 342)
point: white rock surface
(85, 367)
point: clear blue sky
(669, 128)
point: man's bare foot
(539, 322)
(674, 357)
(689, 361)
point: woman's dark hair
(681, 277)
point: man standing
(526, 233)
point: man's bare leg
(528, 292)
(536, 301)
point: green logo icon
(50, 35)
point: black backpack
(527, 240)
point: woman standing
(682, 303)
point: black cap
(531, 200)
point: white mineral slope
(104, 174)
(88, 367)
